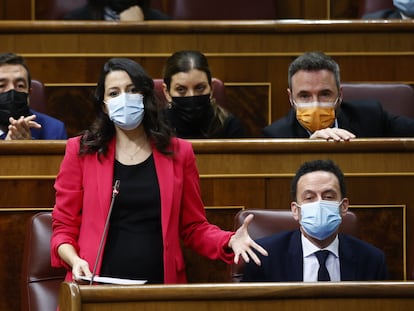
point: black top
(134, 247)
(232, 127)
(384, 14)
(90, 12)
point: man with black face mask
(17, 120)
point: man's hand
(133, 13)
(334, 134)
(243, 245)
(20, 128)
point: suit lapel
(165, 173)
(347, 260)
(297, 129)
(104, 178)
(294, 266)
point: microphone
(115, 191)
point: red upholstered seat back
(370, 6)
(38, 99)
(219, 9)
(40, 282)
(56, 9)
(396, 98)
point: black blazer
(364, 118)
(359, 261)
(89, 12)
(383, 14)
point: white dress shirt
(311, 264)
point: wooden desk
(251, 57)
(248, 296)
(250, 173)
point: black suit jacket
(364, 118)
(384, 14)
(359, 261)
(89, 12)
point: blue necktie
(323, 274)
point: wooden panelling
(12, 229)
(385, 227)
(321, 9)
(234, 174)
(250, 57)
(202, 270)
(358, 296)
(250, 102)
(16, 9)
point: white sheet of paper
(117, 281)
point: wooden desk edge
(192, 26)
(254, 145)
(237, 291)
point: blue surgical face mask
(405, 6)
(126, 110)
(320, 219)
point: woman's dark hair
(102, 130)
(184, 61)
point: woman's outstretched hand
(243, 245)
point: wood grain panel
(248, 52)
(358, 296)
(26, 10)
(385, 227)
(12, 229)
(249, 102)
(253, 173)
(26, 192)
(200, 269)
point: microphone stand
(115, 192)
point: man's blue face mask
(320, 219)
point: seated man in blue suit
(318, 112)
(17, 120)
(319, 203)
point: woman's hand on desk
(80, 267)
(244, 246)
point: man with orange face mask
(317, 110)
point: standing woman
(159, 199)
(192, 111)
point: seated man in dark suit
(317, 110)
(17, 120)
(124, 10)
(404, 9)
(319, 203)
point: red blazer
(83, 194)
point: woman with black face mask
(192, 111)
